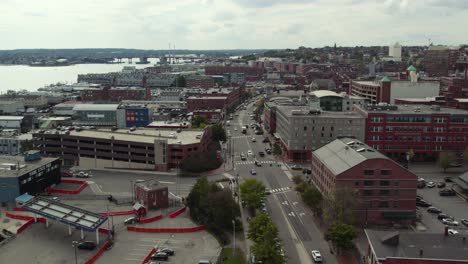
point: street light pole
(234, 235)
(74, 244)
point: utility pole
(75, 244)
(234, 235)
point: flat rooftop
(435, 246)
(421, 109)
(370, 83)
(6, 163)
(13, 118)
(294, 111)
(144, 135)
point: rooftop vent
(360, 149)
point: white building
(394, 51)
(11, 107)
(11, 122)
(10, 143)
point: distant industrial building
(425, 130)
(387, 191)
(11, 107)
(115, 94)
(147, 149)
(134, 115)
(29, 174)
(393, 247)
(11, 142)
(95, 114)
(65, 108)
(441, 60)
(11, 122)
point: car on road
(253, 172)
(268, 192)
(316, 256)
(306, 171)
(440, 184)
(242, 156)
(266, 140)
(421, 184)
(88, 245)
(257, 163)
(82, 174)
(434, 210)
(449, 222)
(159, 256)
(249, 153)
(55, 198)
(431, 184)
(447, 192)
(448, 179)
(131, 221)
(423, 203)
(261, 154)
(168, 251)
(296, 167)
(443, 216)
(254, 140)
(452, 232)
(464, 222)
(268, 150)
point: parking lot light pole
(75, 244)
(234, 235)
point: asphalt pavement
(294, 220)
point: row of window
(381, 183)
(369, 172)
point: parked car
(452, 232)
(168, 251)
(296, 167)
(131, 221)
(449, 222)
(448, 179)
(249, 153)
(266, 140)
(440, 184)
(253, 172)
(316, 256)
(431, 184)
(88, 245)
(159, 256)
(261, 154)
(421, 184)
(254, 139)
(464, 222)
(434, 210)
(443, 216)
(423, 203)
(268, 150)
(447, 192)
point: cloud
(269, 3)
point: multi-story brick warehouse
(301, 129)
(140, 149)
(220, 70)
(425, 130)
(116, 94)
(386, 190)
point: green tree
(252, 192)
(341, 235)
(445, 158)
(263, 232)
(249, 57)
(277, 149)
(199, 121)
(340, 205)
(181, 81)
(313, 198)
(297, 179)
(218, 133)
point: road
(294, 220)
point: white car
(452, 232)
(235, 129)
(450, 222)
(431, 184)
(254, 140)
(249, 153)
(316, 256)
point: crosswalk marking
(252, 162)
(282, 189)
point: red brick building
(386, 190)
(375, 92)
(426, 130)
(220, 70)
(200, 81)
(152, 194)
(441, 60)
(392, 247)
(206, 103)
(211, 115)
(116, 94)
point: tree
(252, 192)
(199, 121)
(341, 235)
(218, 133)
(180, 81)
(277, 149)
(340, 205)
(313, 198)
(445, 158)
(263, 232)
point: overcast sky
(229, 24)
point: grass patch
(228, 258)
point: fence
(117, 213)
(177, 212)
(148, 256)
(98, 254)
(82, 184)
(150, 219)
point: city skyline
(230, 24)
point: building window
(384, 192)
(321, 134)
(332, 128)
(368, 183)
(385, 172)
(367, 192)
(397, 183)
(395, 192)
(395, 204)
(384, 183)
(383, 204)
(368, 172)
(305, 128)
(356, 183)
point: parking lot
(451, 205)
